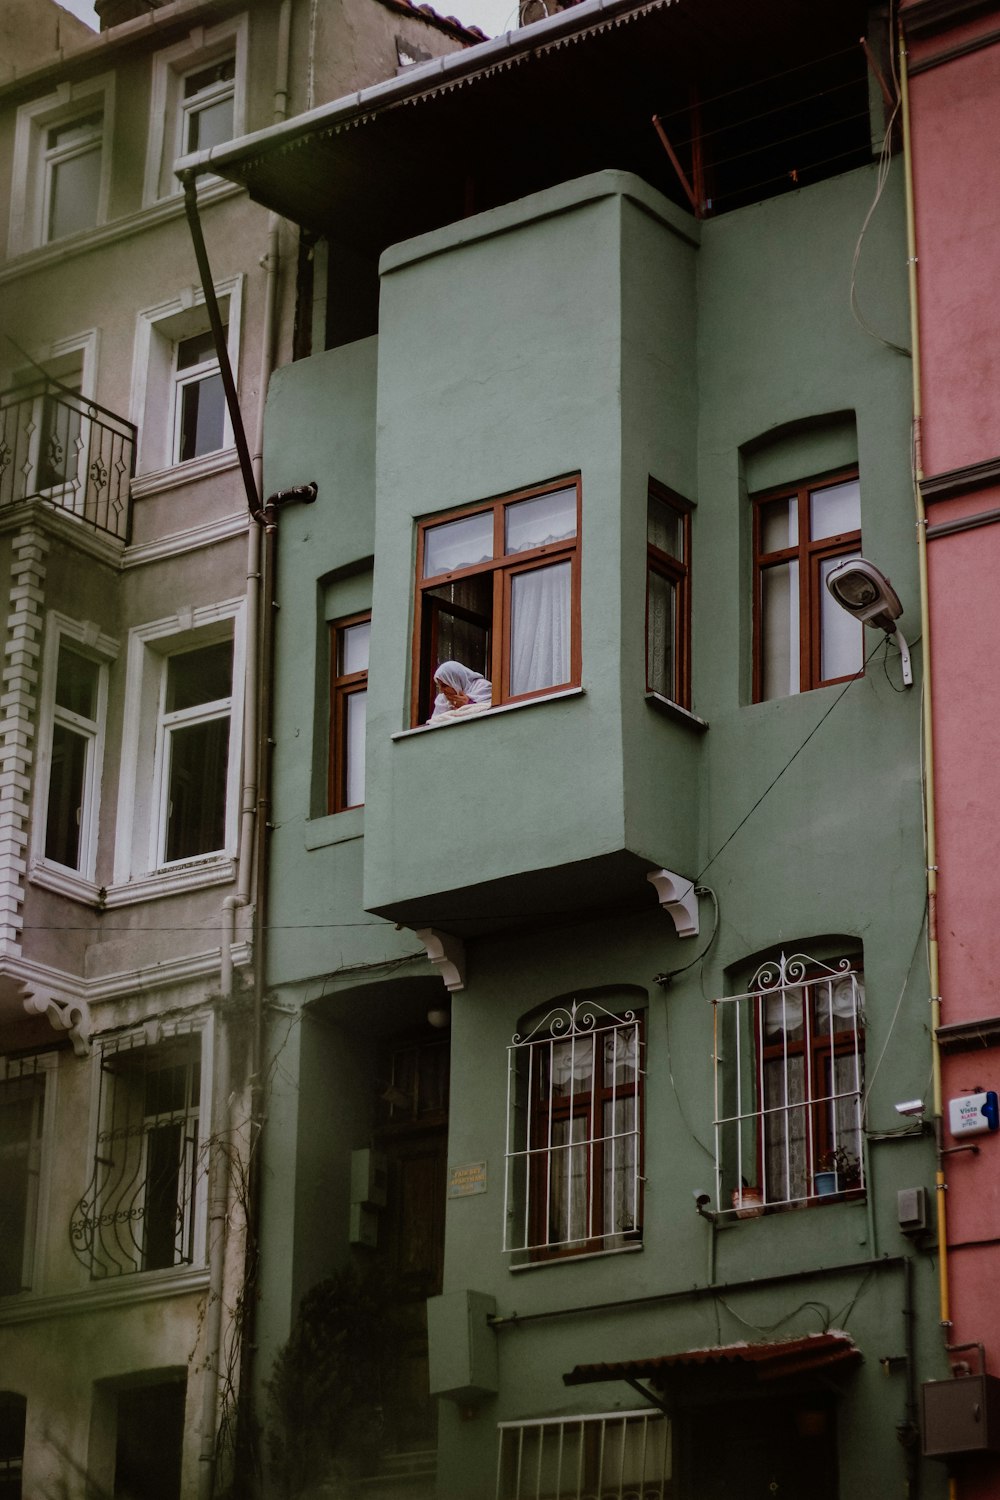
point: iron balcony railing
(67, 451)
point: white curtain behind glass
(540, 629)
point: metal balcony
(70, 453)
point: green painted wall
(596, 329)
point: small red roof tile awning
(762, 1363)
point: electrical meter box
(974, 1114)
(961, 1415)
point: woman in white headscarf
(460, 690)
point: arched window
(574, 1131)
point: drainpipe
(944, 1302)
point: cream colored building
(129, 576)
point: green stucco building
(590, 1005)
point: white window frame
(44, 1064)
(157, 383)
(202, 46)
(94, 1205)
(32, 158)
(547, 1456)
(140, 832)
(85, 638)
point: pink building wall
(955, 112)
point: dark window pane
(195, 350)
(150, 1442)
(203, 408)
(59, 443)
(165, 1198)
(66, 777)
(17, 1115)
(206, 78)
(665, 527)
(201, 676)
(73, 192)
(661, 634)
(76, 683)
(199, 760)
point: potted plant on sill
(837, 1171)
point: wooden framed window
(498, 589)
(802, 637)
(789, 1075)
(668, 595)
(575, 1133)
(348, 707)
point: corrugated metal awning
(763, 1362)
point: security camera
(866, 593)
(701, 1198)
(910, 1107)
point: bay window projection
(574, 1113)
(802, 638)
(789, 1074)
(498, 591)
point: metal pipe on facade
(927, 722)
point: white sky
(492, 16)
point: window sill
(159, 480)
(573, 1260)
(139, 1286)
(170, 882)
(336, 828)
(672, 710)
(65, 883)
(491, 713)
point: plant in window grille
(789, 1073)
(574, 1106)
(138, 1213)
(619, 1456)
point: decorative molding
(60, 251)
(70, 1015)
(177, 476)
(65, 883)
(447, 952)
(19, 703)
(186, 541)
(170, 883)
(922, 17)
(678, 897)
(953, 482)
(68, 528)
(969, 1036)
(69, 989)
(124, 1291)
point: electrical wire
(759, 83)
(671, 974)
(870, 1081)
(791, 759)
(881, 178)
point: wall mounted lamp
(865, 592)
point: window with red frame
(498, 589)
(802, 638)
(790, 1056)
(668, 595)
(575, 1133)
(348, 706)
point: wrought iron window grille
(139, 1210)
(69, 452)
(616, 1456)
(574, 1120)
(789, 1074)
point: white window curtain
(540, 628)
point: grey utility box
(961, 1415)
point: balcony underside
(532, 899)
